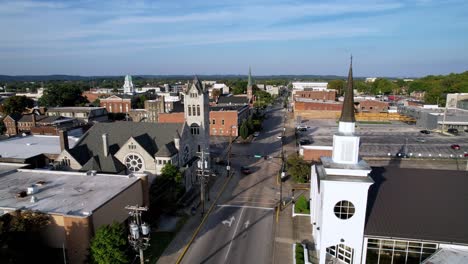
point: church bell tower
(339, 190)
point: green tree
(216, 93)
(109, 245)
(244, 130)
(250, 125)
(337, 85)
(172, 173)
(298, 168)
(17, 104)
(62, 95)
(383, 86)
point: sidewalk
(288, 229)
(176, 247)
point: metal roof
(418, 204)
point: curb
(294, 214)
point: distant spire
(347, 113)
(250, 77)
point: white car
(256, 134)
(280, 137)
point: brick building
(40, 124)
(116, 104)
(329, 95)
(225, 120)
(154, 108)
(372, 106)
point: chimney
(177, 140)
(33, 117)
(63, 135)
(105, 144)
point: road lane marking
(234, 234)
(229, 222)
(245, 206)
(182, 255)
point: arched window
(198, 110)
(194, 129)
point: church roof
(418, 204)
(156, 138)
(198, 84)
(347, 113)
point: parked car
(305, 141)
(465, 155)
(256, 134)
(402, 155)
(302, 129)
(425, 131)
(245, 170)
(455, 147)
(279, 137)
(453, 131)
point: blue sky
(91, 37)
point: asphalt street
(240, 228)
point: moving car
(422, 140)
(245, 170)
(425, 131)
(455, 146)
(402, 155)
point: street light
(139, 231)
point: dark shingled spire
(198, 84)
(347, 113)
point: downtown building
(142, 147)
(361, 214)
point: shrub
(299, 254)
(302, 206)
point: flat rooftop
(33, 145)
(64, 193)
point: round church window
(344, 210)
(134, 163)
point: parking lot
(383, 140)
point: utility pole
(443, 122)
(228, 167)
(203, 175)
(139, 231)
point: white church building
(385, 215)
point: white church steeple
(345, 143)
(339, 190)
(128, 85)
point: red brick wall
(315, 154)
(301, 106)
(373, 106)
(318, 95)
(171, 117)
(116, 104)
(217, 128)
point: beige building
(78, 203)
